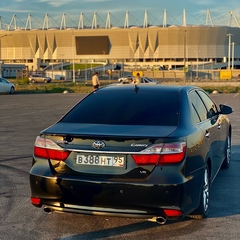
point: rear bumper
(123, 199)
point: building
(166, 46)
(12, 70)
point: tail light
(173, 213)
(35, 201)
(46, 148)
(160, 154)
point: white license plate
(111, 161)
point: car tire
(11, 90)
(202, 210)
(32, 81)
(227, 158)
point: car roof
(148, 87)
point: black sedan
(142, 151)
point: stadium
(148, 45)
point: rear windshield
(127, 108)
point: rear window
(127, 108)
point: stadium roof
(127, 20)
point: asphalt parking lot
(23, 116)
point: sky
(195, 10)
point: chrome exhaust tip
(159, 219)
(48, 210)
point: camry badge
(139, 145)
(98, 144)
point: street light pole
(233, 55)
(104, 60)
(62, 60)
(135, 57)
(74, 80)
(197, 67)
(0, 57)
(184, 57)
(229, 49)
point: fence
(163, 75)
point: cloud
(97, 1)
(136, 8)
(56, 3)
(206, 3)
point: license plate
(94, 160)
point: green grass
(53, 88)
(221, 89)
(81, 66)
(22, 86)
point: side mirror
(225, 109)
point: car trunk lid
(114, 157)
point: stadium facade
(165, 45)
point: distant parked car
(6, 86)
(142, 80)
(147, 151)
(148, 80)
(125, 78)
(39, 78)
(118, 67)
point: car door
(2, 85)
(208, 123)
(5, 85)
(213, 113)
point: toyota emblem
(98, 144)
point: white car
(6, 86)
(125, 78)
(142, 80)
(148, 80)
